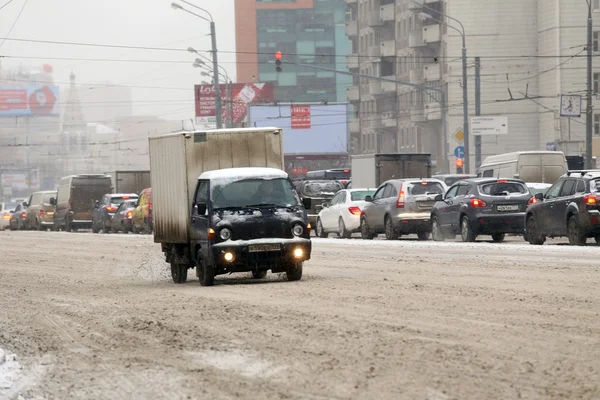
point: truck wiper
(267, 205)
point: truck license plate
(256, 248)
(508, 208)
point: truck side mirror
(307, 203)
(52, 201)
(201, 209)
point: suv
(400, 207)
(40, 214)
(482, 206)
(571, 207)
(106, 208)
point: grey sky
(149, 23)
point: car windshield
(253, 192)
(595, 185)
(417, 188)
(503, 188)
(10, 206)
(321, 188)
(361, 195)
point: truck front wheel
(205, 272)
(179, 272)
(294, 271)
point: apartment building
(530, 53)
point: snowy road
(97, 317)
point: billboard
(243, 95)
(20, 179)
(307, 129)
(17, 101)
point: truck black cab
(245, 220)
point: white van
(529, 166)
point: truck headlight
(298, 230)
(225, 234)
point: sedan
(342, 214)
(482, 206)
(18, 220)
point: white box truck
(371, 170)
(528, 166)
(208, 205)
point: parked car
(481, 206)
(122, 221)
(401, 207)
(40, 213)
(342, 214)
(104, 210)
(319, 192)
(18, 219)
(571, 207)
(75, 200)
(6, 211)
(451, 179)
(142, 215)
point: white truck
(206, 213)
(528, 166)
(371, 170)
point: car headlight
(225, 234)
(298, 230)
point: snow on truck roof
(243, 173)
(234, 130)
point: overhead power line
(14, 23)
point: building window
(597, 124)
(596, 80)
(596, 5)
(596, 39)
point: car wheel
(68, 227)
(498, 237)
(320, 231)
(436, 231)
(106, 229)
(423, 236)
(259, 274)
(574, 232)
(533, 235)
(365, 231)
(390, 233)
(206, 273)
(94, 229)
(179, 272)
(466, 232)
(294, 271)
(343, 232)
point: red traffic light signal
(459, 165)
(278, 55)
(278, 61)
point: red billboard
(300, 117)
(244, 95)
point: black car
(571, 207)
(319, 191)
(104, 210)
(481, 206)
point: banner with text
(300, 117)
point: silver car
(401, 207)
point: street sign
(489, 125)
(459, 135)
(459, 152)
(570, 106)
(551, 146)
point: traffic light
(459, 165)
(278, 61)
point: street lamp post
(214, 56)
(588, 110)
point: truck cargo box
(371, 170)
(130, 181)
(177, 160)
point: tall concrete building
(532, 52)
(305, 31)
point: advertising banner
(244, 95)
(21, 179)
(29, 101)
(300, 117)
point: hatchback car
(104, 210)
(122, 221)
(401, 207)
(6, 211)
(342, 214)
(571, 207)
(482, 206)
(18, 219)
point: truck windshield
(253, 192)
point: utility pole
(219, 107)
(477, 109)
(588, 111)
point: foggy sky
(148, 23)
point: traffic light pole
(442, 100)
(219, 106)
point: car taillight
(478, 203)
(6, 216)
(129, 214)
(531, 201)
(42, 213)
(24, 215)
(150, 206)
(354, 210)
(401, 197)
(110, 208)
(590, 200)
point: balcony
(374, 51)
(352, 61)
(431, 72)
(415, 39)
(354, 126)
(353, 94)
(432, 33)
(433, 111)
(415, 76)
(388, 87)
(376, 123)
(374, 18)
(375, 88)
(388, 12)
(388, 48)
(352, 28)
(417, 114)
(389, 120)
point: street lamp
(213, 35)
(461, 31)
(588, 110)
